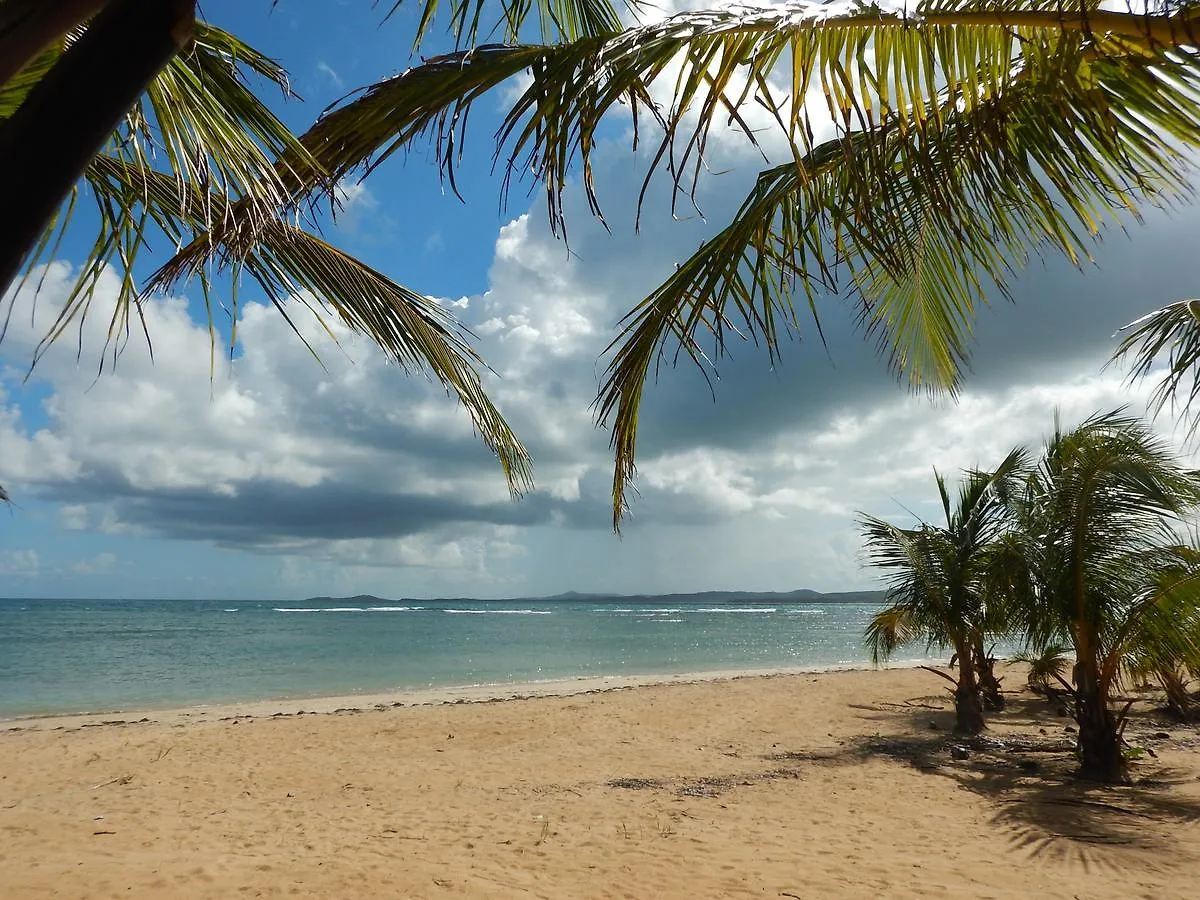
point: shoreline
(333, 704)
(839, 785)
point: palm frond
(291, 264)
(890, 629)
(1047, 666)
(969, 135)
(1172, 332)
(556, 19)
(202, 118)
(14, 90)
(921, 227)
(201, 122)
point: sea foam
(499, 612)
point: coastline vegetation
(1083, 552)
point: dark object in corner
(48, 142)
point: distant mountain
(803, 595)
(357, 598)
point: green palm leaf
(201, 160)
(201, 122)
(1173, 332)
(556, 19)
(291, 264)
(968, 135)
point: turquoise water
(74, 655)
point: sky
(278, 478)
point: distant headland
(803, 595)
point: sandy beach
(802, 785)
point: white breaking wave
(737, 609)
(309, 609)
(499, 612)
(636, 611)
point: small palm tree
(1094, 563)
(937, 584)
(1172, 665)
(1048, 668)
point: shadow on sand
(1025, 766)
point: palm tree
(1094, 563)
(1174, 665)
(937, 584)
(929, 149)
(153, 116)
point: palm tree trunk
(968, 705)
(29, 26)
(989, 684)
(1100, 757)
(47, 143)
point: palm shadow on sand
(1041, 808)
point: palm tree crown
(937, 580)
(931, 148)
(1100, 567)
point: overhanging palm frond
(201, 122)
(968, 135)
(1172, 332)
(920, 227)
(290, 264)
(201, 159)
(370, 126)
(556, 19)
(200, 118)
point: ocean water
(59, 656)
